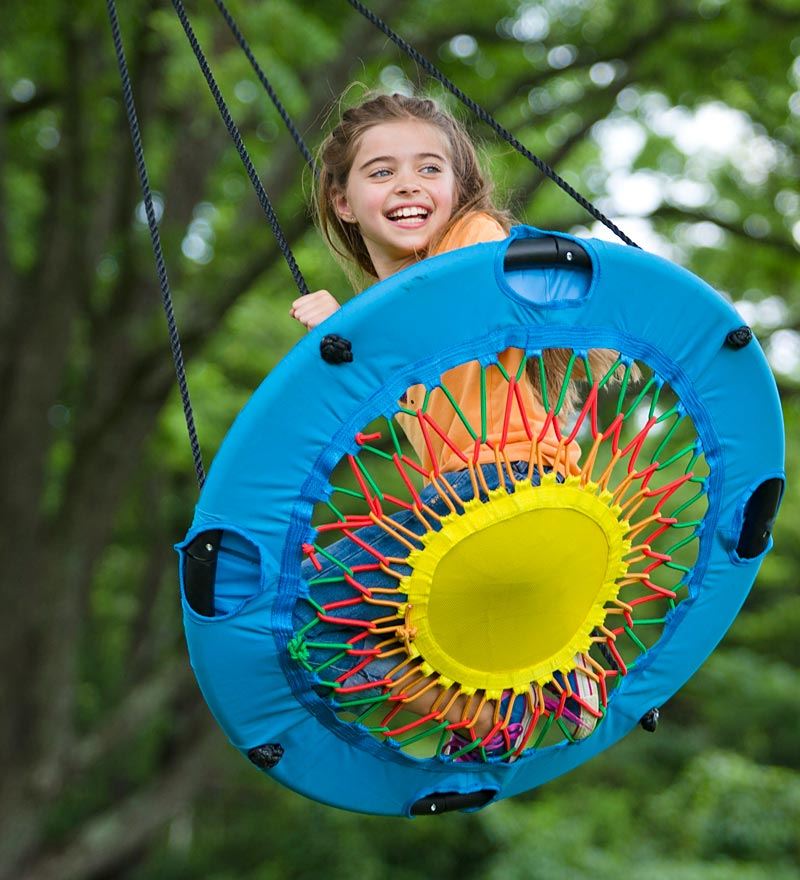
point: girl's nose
(406, 185)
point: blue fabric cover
(273, 467)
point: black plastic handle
(447, 801)
(759, 518)
(549, 250)
(200, 571)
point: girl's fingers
(313, 308)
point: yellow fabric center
(509, 591)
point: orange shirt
(464, 384)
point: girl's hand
(313, 308)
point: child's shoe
(504, 742)
(578, 714)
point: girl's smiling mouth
(409, 216)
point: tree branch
(107, 840)
(777, 13)
(20, 109)
(140, 706)
(523, 194)
(629, 53)
(677, 214)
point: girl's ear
(342, 208)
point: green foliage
(724, 806)
(621, 96)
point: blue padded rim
(275, 462)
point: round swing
(637, 565)
(628, 568)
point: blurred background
(680, 118)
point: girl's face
(401, 191)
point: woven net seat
(510, 588)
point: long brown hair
(338, 150)
(474, 193)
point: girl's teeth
(408, 215)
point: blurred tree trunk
(51, 551)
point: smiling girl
(400, 181)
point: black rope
(263, 198)
(166, 297)
(486, 117)
(290, 126)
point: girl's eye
(431, 169)
(380, 172)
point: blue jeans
(349, 554)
